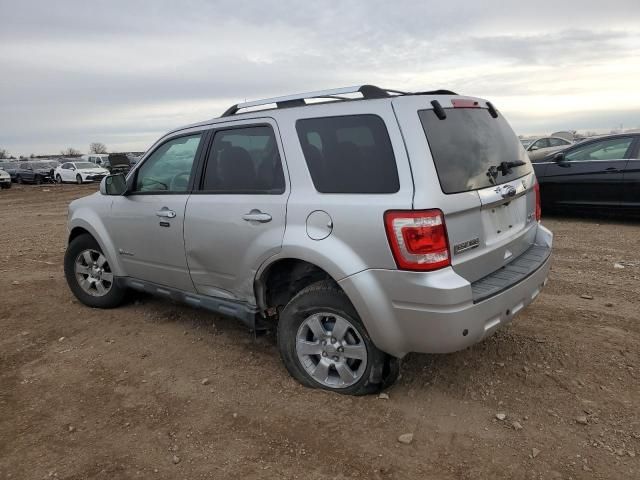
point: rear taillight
(418, 239)
(536, 189)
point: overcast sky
(124, 72)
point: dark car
(118, 163)
(599, 173)
(31, 172)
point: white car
(79, 172)
(5, 179)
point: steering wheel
(179, 182)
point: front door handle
(612, 170)
(256, 216)
(166, 213)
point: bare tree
(70, 152)
(97, 147)
(3, 153)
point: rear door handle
(256, 216)
(166, 213)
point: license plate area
(503, 221)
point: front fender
(88, 219)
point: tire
(76, 266)
(37, 180)
(19, 180)
(78, 179)
(367, 369)
(58, 179)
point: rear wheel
(78, 179)
(324, 344)
(89, 274)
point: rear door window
(469, 145)
(349, 154)
(244, 160)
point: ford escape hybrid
(364, 223)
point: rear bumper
(439, 312)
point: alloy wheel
(93, 273)
(331, 350)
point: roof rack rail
(298, 100)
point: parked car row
(88, 168)
(40, 171)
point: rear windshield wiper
(504, 168)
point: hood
(3, 174)
(118, 160)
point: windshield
(85, 165)
(469, 145)
(526, 143)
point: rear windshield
(467, 144)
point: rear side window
(244, 160)
(469, 147)
(349, 154)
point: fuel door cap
(319, 225)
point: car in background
(603, 173)
(119, 163)
(539, 148)
(31, 172)
(80, 172)
(5, 179)
(100, 159)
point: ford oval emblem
(508, 191)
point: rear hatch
(467, 162)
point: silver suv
(364, 223)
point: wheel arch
(280, 280)
(95, 228)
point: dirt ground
(158, 390)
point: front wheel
(323, 344)
(78, 179)
(37, 180)
(19, 180)
(89, 274)
(58, 179)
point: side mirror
(533, 147)
(113, 185)
(558, 157)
